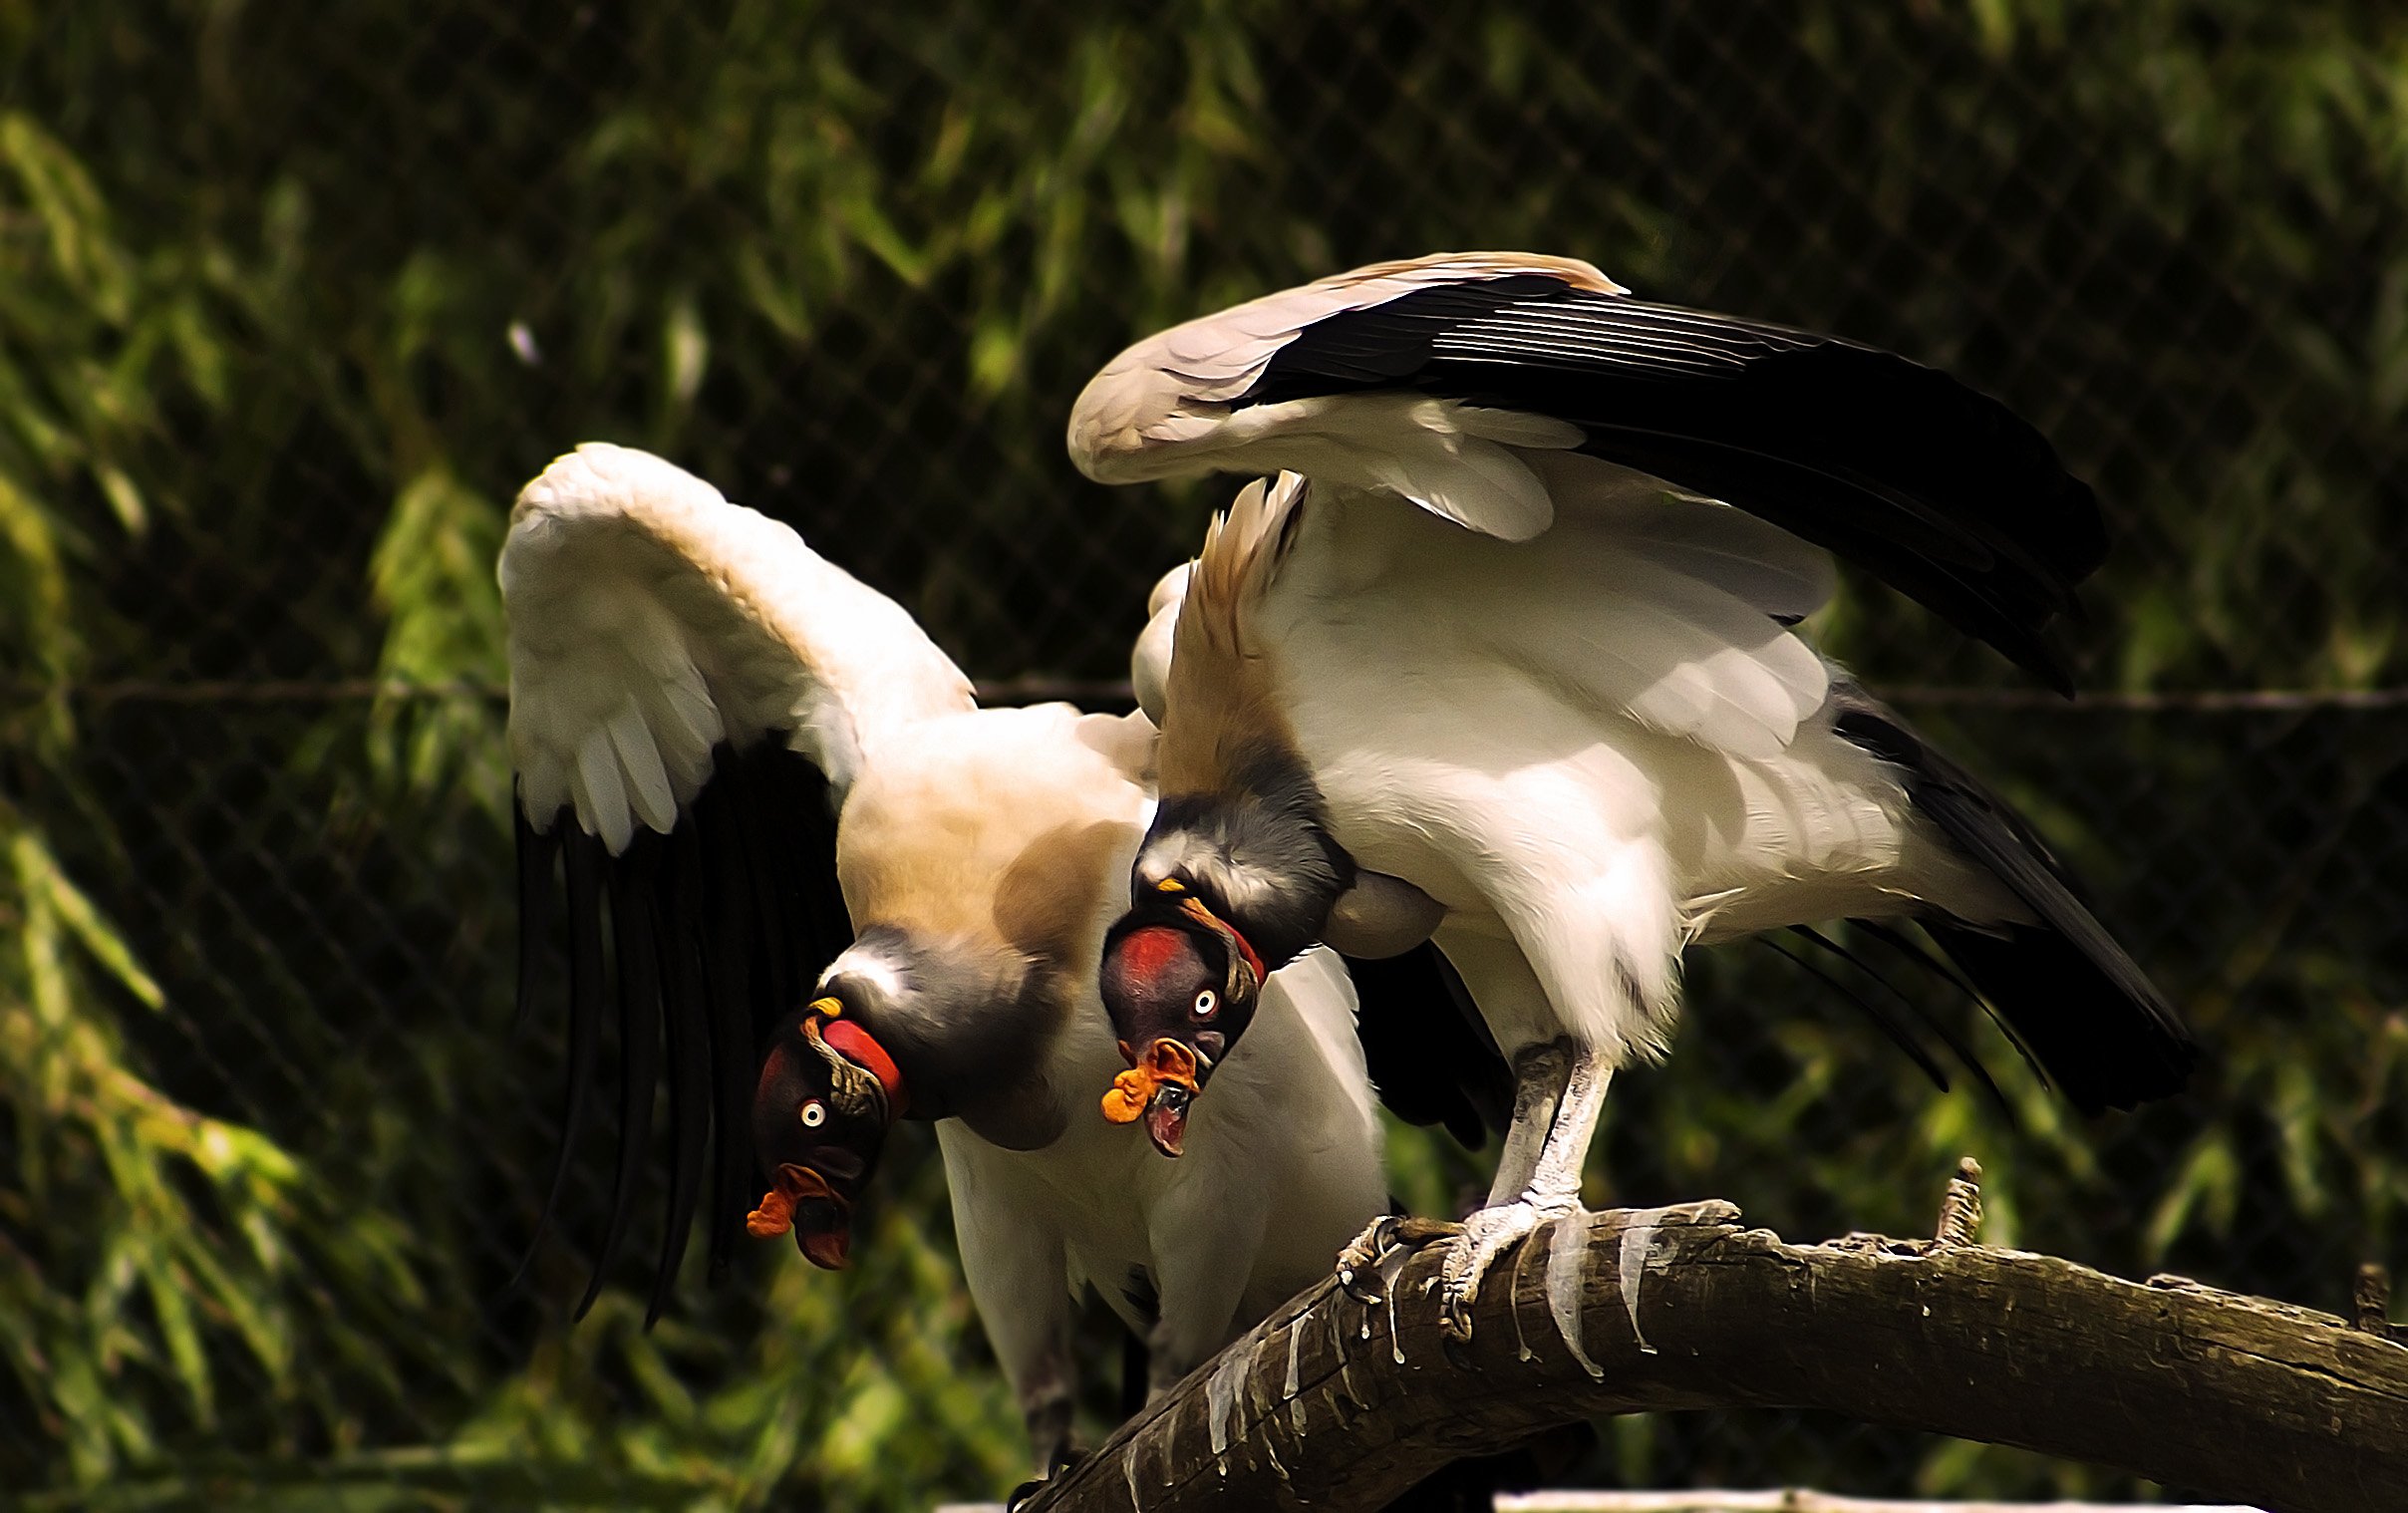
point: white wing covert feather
(1611, 606)
(649, 619)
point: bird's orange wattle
(1166, 1063)
(775, 1215)
(773, 1218)
(1126, 1100)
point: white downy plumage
(1589, 757)
(1562, 697)
(650, 620)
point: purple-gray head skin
(828, 1093)
(1179, 999)
(1227, 888)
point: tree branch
(1798, 1502)
(1336, 1405)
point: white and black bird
(1507, 656)
(836, 893)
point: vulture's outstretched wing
(1445, 378)
(692, 691)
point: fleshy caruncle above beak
(1159, 1086)
(819, 1216)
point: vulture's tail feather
(2073, 1000)
(1923, 1016)
(1898, 1033)
(1898, 941)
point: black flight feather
(630, 884)
(1938, 489)
(685, 1019)
(729, 957)
(537, 856)
(586, 989)
(716, 929)
(773, 947)
(1428, 1051)
(2079, 1005)
(1897, 941)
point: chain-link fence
(294, 297)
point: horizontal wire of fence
(292, 300)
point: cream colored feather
(649, 619)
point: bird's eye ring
(1208, 1003)
(815, 1114)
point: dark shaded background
(293, 298)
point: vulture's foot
(1488, 1234)
(1381, 1240)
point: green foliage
(193, 1247)
(291, 303)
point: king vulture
(1496, 661)
(757, 768)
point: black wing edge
(1940, 490)
(705, 938)
(2073, 1000)
(1430, 1053)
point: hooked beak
(819, 1216)
(1158, 1086)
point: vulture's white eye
(1207, 1003)
(814, 1114)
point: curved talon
(1361, 1254)
(1486, 1236)
(1381, 1238)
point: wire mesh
(297, 296)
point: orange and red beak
(822, 1219)
(1159, 1086)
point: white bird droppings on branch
(1563, 1247)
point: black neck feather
(1283, 870)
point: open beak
(1158, 1086)
(819, 1216)
(1166, 1117)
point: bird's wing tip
(607, 475)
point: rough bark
(1336, 1404)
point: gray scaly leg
(1552, 1192)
